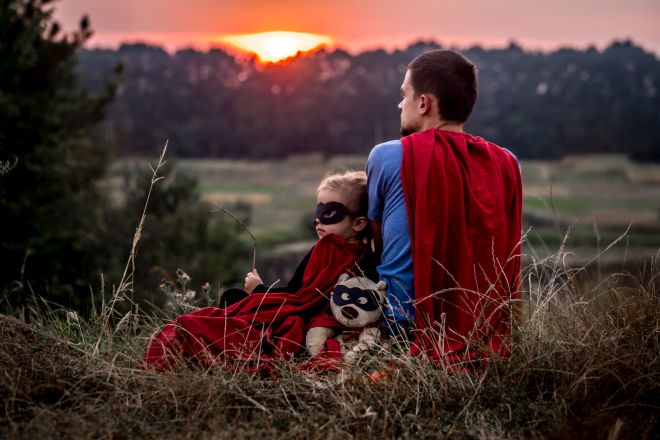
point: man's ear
(359, 223)
(425, 104)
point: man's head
(440, 87)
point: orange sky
(361, 24)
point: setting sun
(275, 46)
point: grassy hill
(586, 364)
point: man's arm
(375, 187)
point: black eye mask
(331, 213)
(342, 295)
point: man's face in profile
(408, 107)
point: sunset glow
(275, 46)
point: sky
(357, 25)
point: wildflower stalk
(126, 282)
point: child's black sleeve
(295, 283)
(368, 264)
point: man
(446, 207)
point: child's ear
(359, 223)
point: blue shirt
(387, 205)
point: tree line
(65, 228)
(211, 104)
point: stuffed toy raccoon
(357, 304)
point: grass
(585, 203)
(585, 237)
(586, 364)
(561, 204)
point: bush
(179, 231)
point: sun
(272, 47)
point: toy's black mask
(364, 299)
(331, 213)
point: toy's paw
(315, 349)
(315, 339)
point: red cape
(464, 200)
(262, 326)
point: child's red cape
(464, 200)
(262, 326)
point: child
(273, 325)
(341, 210)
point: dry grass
(586, 364)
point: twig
(254, 240)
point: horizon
(237, 52)
(371, 24)
(172, 46)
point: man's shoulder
(496, 148)
(389, 146)
(386, 150)
(505, 153)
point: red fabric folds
(464, 200)
(262, 326)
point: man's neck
(450, 126)
(444, 125)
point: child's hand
(252, 280)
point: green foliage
(49, 203)
(570, 101)
(61, 228)
(180, 231)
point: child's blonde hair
(353, 184)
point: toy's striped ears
(343, 277)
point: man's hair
(450, 77)
(353, 184)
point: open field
(281, 192)
(584, 203)
(609, 191)
(594, 198)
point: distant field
(597, 197)
(282, 194)
(607, 190)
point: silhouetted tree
(49, 202)
(63, 223)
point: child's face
(347, 228)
